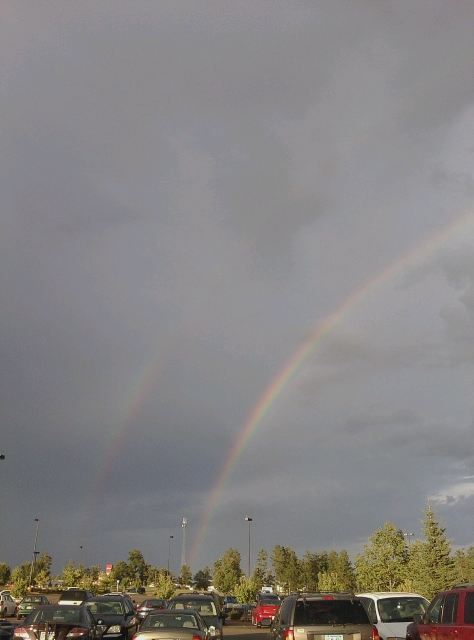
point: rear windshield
(205, 608)
(31, 599)
(73, 595)
(61, 614)
(265, 602)
(315, 612)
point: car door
(446, 628)
(428, 626)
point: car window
(330, 612)
(469, 608)
(450, 608)
(370, 606)
(434, 612)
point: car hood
(392, 629)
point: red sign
(108, 568)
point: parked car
(58, 622)
(8, 606)
(115, 614)
(392, 611)
(30, 603)
(7, 627)
(265, 610)
(149, 605)
(450, 615)
(203, 604)
(330, 616)
(74, 596)
(176, 625)
(232, 604)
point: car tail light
(20, 632)
(328, 597)
(77, 632)
(289, 634)
(375, 633)
(196, 638)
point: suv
(450, 615)
(74, 596)
(392, 611)
(326, 616)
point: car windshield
(59, 614)
(178, 620)
(401, 609)
(205, 608)
(104, 608)
(314, 612)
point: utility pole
(408, 536)
(33, 560)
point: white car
(392, 611)
(8, 606)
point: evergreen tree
(288, 569)
(432, 568)
(227, 571)
(312, 565)
(246, 589)
(164, 584)
(341, 566)
(202, 579)
(464, 564)
(138, 568)
(186, 575)
(383, 565)
(5, 573)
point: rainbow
(411, 257)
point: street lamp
(249, 520)
(33, 560)
(408, 536)
(169, 552)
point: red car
(449, 616)
(265, 610)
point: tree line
(387, 563)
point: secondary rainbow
(411, 257)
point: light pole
(169, 552)
(183, 554)
(249, 520)
(408, 536)
(33, 560)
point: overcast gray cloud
(189, 190)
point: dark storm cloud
(188, 190)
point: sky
(237, 276)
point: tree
(202, 579)
(164, 585)
(138, 568)
(383, 565)
(288, 570)
(464, 565)
(341, 566)
(432, 568)
(311, 566)
(5, 573)
(246, 589)
(227, 571)
(186, 575)
(72, 575)
(121, 572)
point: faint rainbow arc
(414, 255)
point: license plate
(333, 636)
(43, 635)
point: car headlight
(114, 629)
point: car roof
(380, 595)
(193, 596)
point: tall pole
(169, 552)
(408, 536)
(183, 554)
(249, 520)
(33, 560)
